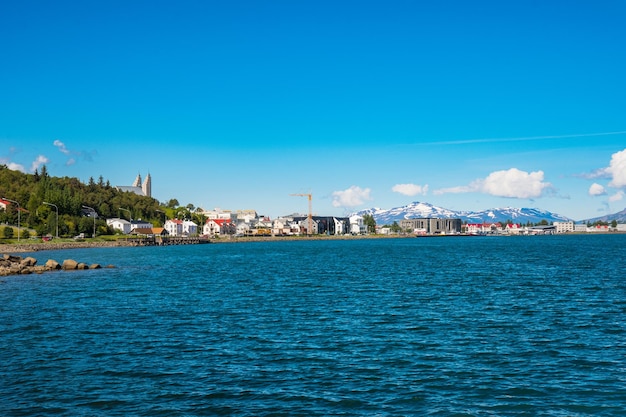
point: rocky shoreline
(16, 265)
(37, 247)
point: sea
(441, 326)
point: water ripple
(435, 327)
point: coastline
(14, 248)
(11, 248)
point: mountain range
(619, 217)
(423, 210)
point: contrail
(491, 140)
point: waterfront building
(564, 227)
(432, 226)
(357, 226)
(126, 226)
(217, 227)
(189, 228)
(174, 227)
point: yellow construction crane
(309, 230)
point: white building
(174, 227)
(564, 227)
(120, 224)
(357, 226)
(126, 226)
(189, 228)
(217, 213)
(580, 227)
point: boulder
(95, 266)
(82, 265)
(69, 264)
(12, 258)
(29, 261)
(52, 264)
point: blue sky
(237, 105)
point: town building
(357, 226)
(176, 227)
(324, 225)
(564, 227)
(126, 226)
(432, 226)
(218, 227)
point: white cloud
(16, 167)
(352, 197)
(596, 189)
(512, 183)
(62, 147)
(618, 196)
(617, 169)
(39, 161)
(410, 189)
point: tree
(370, 223)
(172, 203)
(614, 224)
(395, 227)
(7, 232)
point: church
(140, 188)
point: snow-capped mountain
(418, 209)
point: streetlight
(18, 216)
(55, 206)
(94, 219)
(130, 217)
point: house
(4, 204)
(189, 228)
(139, 224)
(513, 229)
(142, 231)
(122, 225)
(357, 227)
(482, 228)
(281, 226)
(216, 227)
(159, 231)
(174, 227)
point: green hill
(70, 196)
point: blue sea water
(474, 326)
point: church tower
(137, 182)
(146, 187)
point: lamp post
(55, 206)
(94, 219)
(130, 218)
(18, 216)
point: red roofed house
(174, 227)
(216, 227)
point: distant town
(47, 207)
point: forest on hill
(39, 195)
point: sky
(240, 104)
